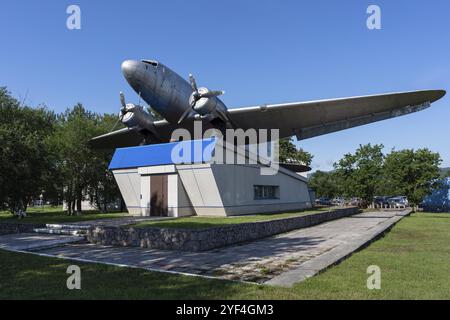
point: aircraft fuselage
(163, 89)
(167, 92)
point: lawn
(49, 214)
(208, 222)
(414, 259)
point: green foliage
(84, 171)
(368, 172)
(413, 173)
(25, 160)
(289, 153)
(325, 184)
(360, 173)
(47, 153)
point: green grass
(414, 259)
(196, 222)
(49, 214)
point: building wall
(213, 189)
(185, 207)
(236, 187)
(220, 190)
(129, 182)
(202, 190)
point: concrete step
(67, 226)
(61, 231)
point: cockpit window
(152, 62)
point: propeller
(122, 100)
(123, 110)
(193, 83)
(197, 95)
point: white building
(152, 184)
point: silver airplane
(181, 102)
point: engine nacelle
(136, 117)
(208, 106)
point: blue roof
(183, 152)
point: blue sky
(257, 51)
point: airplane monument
(153, 184)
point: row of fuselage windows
(266, 192)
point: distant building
(439, 200)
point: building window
(266, 192)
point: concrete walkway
(34, 241)
(281, 260)
(363, 231)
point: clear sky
(257, 51)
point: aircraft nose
(129, 67)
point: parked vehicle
(398, 202)
(338, 201)
(382, 201)
(323, 201)
(354, 202)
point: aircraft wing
(126, 137)
(303, 119)
(315, 118)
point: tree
(46, 153)
(368, 172)
(288, 152)
(102, 188)
(77, 163)
(412, 173)
(325, 184)
(361, 173)
(25, 157)
(83, 172)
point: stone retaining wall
(207, 239)
(13, 227)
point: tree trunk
(78, 195)
(97, 202)
(69, 207)
(78, 205)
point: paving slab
(34, 241)
(280, 260)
